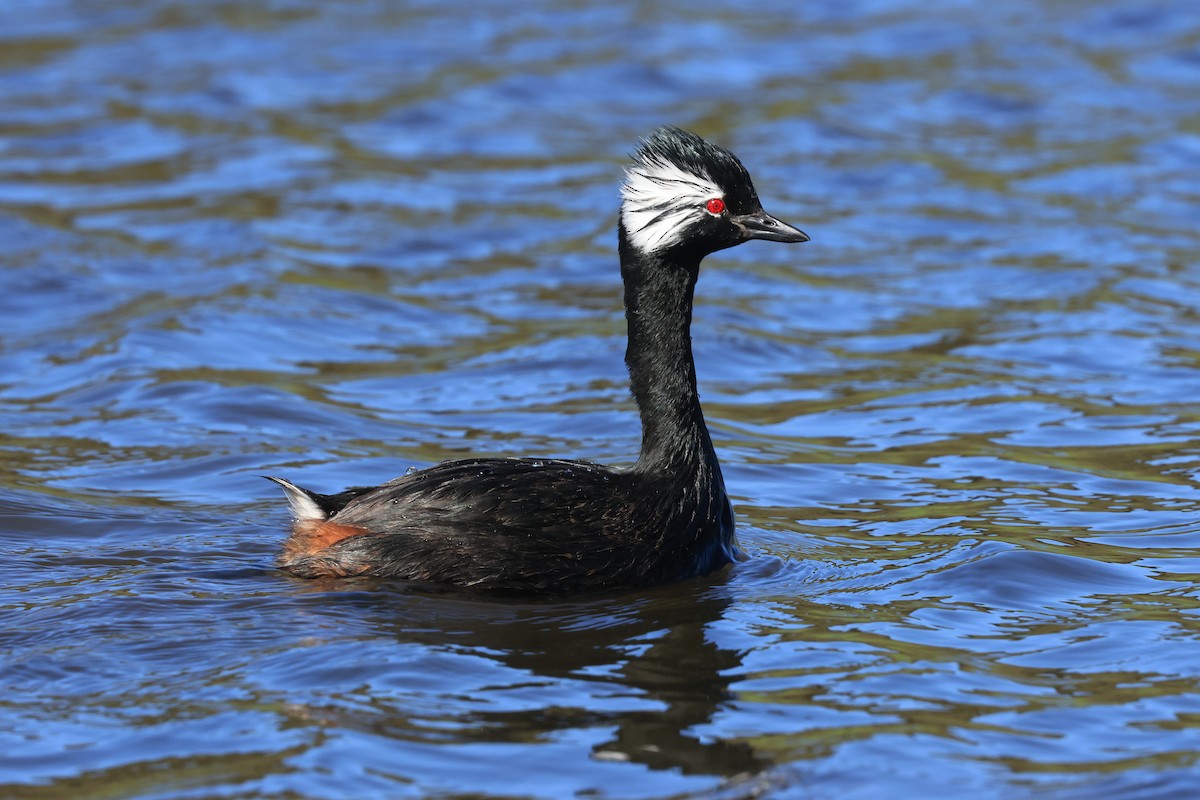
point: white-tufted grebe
(550, 526)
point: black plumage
(547, 526)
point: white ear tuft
(658, 200)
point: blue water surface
(334, 241)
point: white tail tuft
(303, 506)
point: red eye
(715, 206)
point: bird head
(683, 192)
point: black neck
(658, 310)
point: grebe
(550, 526)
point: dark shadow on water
(652, 646)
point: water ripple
(339, 240)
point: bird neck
(658, 311)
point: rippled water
(336, 240)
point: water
(334, 241)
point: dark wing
(523, 523)
(333, 503)
(532, 493)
